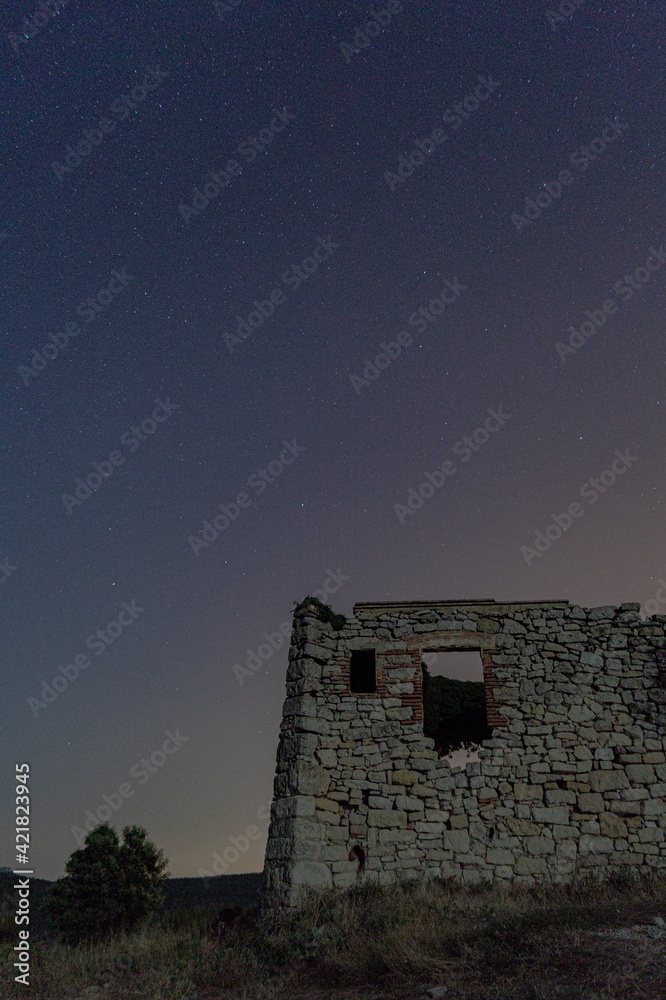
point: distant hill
(210, 894)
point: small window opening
(362, 672)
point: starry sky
(216, 218)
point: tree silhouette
(109, 886)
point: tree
(454, 712)
(109, 886)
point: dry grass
(541, 943)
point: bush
(324, 612)
(109, 886)
(454, 712)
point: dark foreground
(587, 942)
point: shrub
(109, 886)
(324, 612)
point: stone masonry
(574, 776)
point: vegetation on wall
(324, 612)
(454, 713)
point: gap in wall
(460, 665)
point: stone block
(328, 818)
(278, 849)
(530, 866)
(344, 880)
(303, 705)
(626, 808)
(400, 687)
(310, 725)
(307, 850)
(539, 845)
(651, 835)
(591, 844)
(294, 805)
(523, 792)
(404, 777)
(409, 803)
(590, 802)
(385, 818)
(550, 814)
(397, 836)
(424, 763)
(335, 852)
(385, 730)
(400, 674)
(560, 796)
(327, 758)
(328, 805)
(399, 713)
(309, 779)
(306, 828)
(311, 873)
(321, 654)
(456, 840)
(436, 815)
(608, 781)
(425, 791)
(641, 774)
(571, 635)
(567, 849)
(611, 825)
(653, 808)
(499, 856)
(580, 713)
(380, 802)
(522, 827)
(513, 627)
(605, 611)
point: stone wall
(574, 776)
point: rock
(404, 777)
(530, 866)
(309, 779)
(641, 774)
(591, 844)
(611, 825)
(607, 781)
(540, 845)
(311, 873)
(590, 802)
(550, 814)
(456, 840)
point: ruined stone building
(574, 776)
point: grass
(483, 943)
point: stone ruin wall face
(574, 776)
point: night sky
(234, 323)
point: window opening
(454, 704)
(362, 672)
